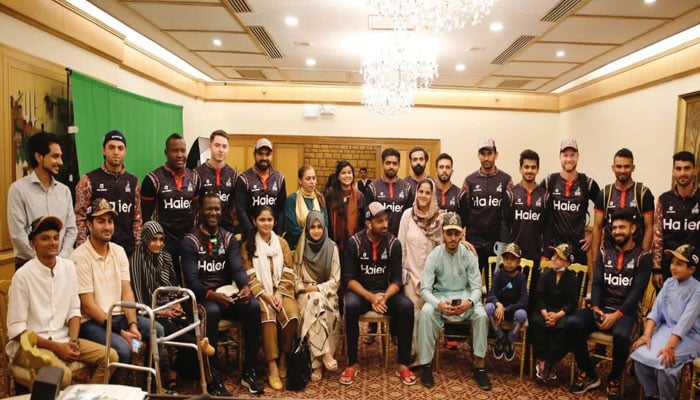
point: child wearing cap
(507, 301)
(672, 331)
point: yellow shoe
(275, 382)
(206, 348)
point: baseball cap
(43, 224)
(568, 144)
(487, 143)
(114, 135)
(451, 221)
(685, 252)
(563, 251)
(513, 249)
(374, 210)
(263, 142)
(100, 206)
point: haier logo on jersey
(528, 215)
(566, 206)
(395, 208)
(101, 188)
(372, 269)
(617, 280)
(176, 204)
(685, 225)
(122, 207)
(486, 202)
(263, 201)
(224, 197)
(211, 266)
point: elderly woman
(318, 271)
(299, 203)
(268, 262)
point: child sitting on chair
(507, 301)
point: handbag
(298, 365)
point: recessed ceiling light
(310, 62)
(460, 67)
(650, 1)
(496, 26)
(216, 42)
(561, 53)
(291, 20)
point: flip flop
(348, 376)
(316, 374)
(407, 377)
(330, 365)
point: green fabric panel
(146, 123)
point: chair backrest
(526, 266)
(4, 360)
(581, 272)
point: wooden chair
(526, 267)
(383, 331)
(581, 272)
(695, 378)
(231, 337)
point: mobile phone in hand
(456, 302)
(599, 317)
(234, 298)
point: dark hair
(528, 154)
(40, 143)
(363, 169)
(208, 195)
(334, 198)
(389, 152)
(416, 149)
(173, 136)
(218, 132)
(250, 238)
(624, 153)
(623, 214)
(303, 169)
(428, 181)
(444, 156)
(684, 156)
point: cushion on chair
(696, 363)
(599, 336)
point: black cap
(114, 135)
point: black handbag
(298, 366)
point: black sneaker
(584, 383)
(426, 377)
(551, 372)
(217, 388)
(541, 371)
(509, 349)
(614, 389)
(482, 380)
(498, 349)
(254, 384)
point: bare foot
(329, 362)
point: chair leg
(573, 370)
(387, 340)
(532, 361)
(693, 383)
(523, 348)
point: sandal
(316, 374)
(407, 377)
(331, 365)
(348, 376)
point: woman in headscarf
(151, 267)
(419, 233)
(298, 205)
(318, 271)
(346, 205)
(268, 262)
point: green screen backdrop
(146, 123)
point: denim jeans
(91, 330)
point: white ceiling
(335, 33)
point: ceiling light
(649, 1)
(140, 41)
(291, 20)
(310, 62)
(496, 26)
(216, 42)
(460, 67)
(561, 53)
(435, 15)
(638, 56)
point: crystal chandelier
(392, 74)
(435, 15)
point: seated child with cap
(507, 301)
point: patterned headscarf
(150, 270)
(429, 221)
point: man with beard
(215, 175)
(120, 188)
(40, 194)
(628, 194)
(447, 193)
(677, 216)
(168, 194)
(261, 185)
(480, 202)
(418, 158)
(392, 192)
(569, 193)
(620, 278)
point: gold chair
(383, 331)
(227, 331)
(695, 378)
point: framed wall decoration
(688, 126)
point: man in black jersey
(569, 193)
(677, 216)
(211, 259)
(261, 185)
(215, 175)
(389, 190)
(418, 158)
(168, 195)
(447, 192)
